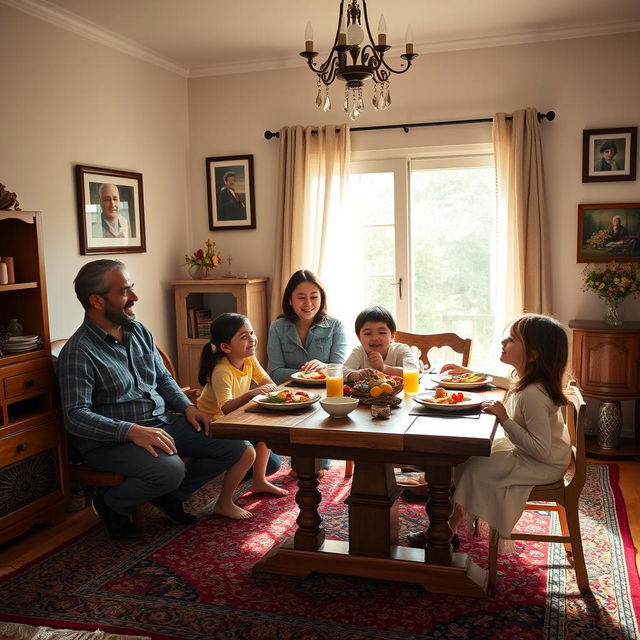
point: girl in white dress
(532, 446)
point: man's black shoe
(118, 526)
(172, 507)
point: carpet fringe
(16, 631)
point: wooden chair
(564, 494)
(426, 342)
(83, 474)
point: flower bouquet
(612, 283)
(201, 262)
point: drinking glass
(410, 374)
(334, 380)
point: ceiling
(212, 37)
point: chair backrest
(425, 342)
(575, 419)
(167, 362)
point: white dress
(532, 447)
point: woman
(304, 337)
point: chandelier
(354, 62)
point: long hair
(222, 330)
(303, 275)
(546, 351)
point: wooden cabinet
(606, 363)
(199, 301)
(33, 480)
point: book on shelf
(203, 322)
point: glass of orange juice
(410, 374)
(334, 380)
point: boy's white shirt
(358, 358)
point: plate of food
(314, 378)
(467, 380)
(442, 399)
(286, 400)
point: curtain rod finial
(271, 134)
(550, 115)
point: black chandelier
(354, 62)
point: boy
(376, 330)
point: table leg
(439, 509)
(373, 510)
(310, 533)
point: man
(618, 239)
(116, 394)
(608, 151)
(230, 206)
(112, 224)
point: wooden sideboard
(606, 363)
(199, 301)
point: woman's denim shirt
(326, 341)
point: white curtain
(313, 169)
(524, 268)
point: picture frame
(110, 211)
(609, 155)
(230, 192)
(602, 238)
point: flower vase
(612, 314)
(197, 272)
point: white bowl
(339, 407)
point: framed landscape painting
(110, 211)
(230, 192)
(609, 232)
(609, 155)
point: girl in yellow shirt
(228, 366)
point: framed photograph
(609, 232)
(230, 193)
(609, 155)
(110, 211)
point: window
(423, 238)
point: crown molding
(86, 29)
(72, 22)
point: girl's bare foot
(232, 511)
(267, 487)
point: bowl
(339, 407)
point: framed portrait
(609, 232)
(110, 211)
(609, 155)
(230, 193)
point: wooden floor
(39, 540)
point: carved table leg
(310, 533)
(439, 509)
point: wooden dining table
(436, 442)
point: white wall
(67, 101)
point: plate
(286, 406)
(472, 401)
(460, 385)
(20, 339)
(297, 376)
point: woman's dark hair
(303, 275)
(375, 314)
(222, 330)
(546, 350)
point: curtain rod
(550, 115)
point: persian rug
(196, 582)
(14, 631)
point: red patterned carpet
(196, 582)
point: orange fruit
(386, 387)
(376, 391)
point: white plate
(472, 400)
(297, 376)
(286, 406)
(460, 385)
(20, 339)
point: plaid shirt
(106, 385)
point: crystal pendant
(360, 100)
(319, 96)
(346, 100)
(374, 101)
(388, 97)
(327, 102)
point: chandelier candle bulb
(342, 34)
(308, 37)
(409, 39)
(382, 31)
